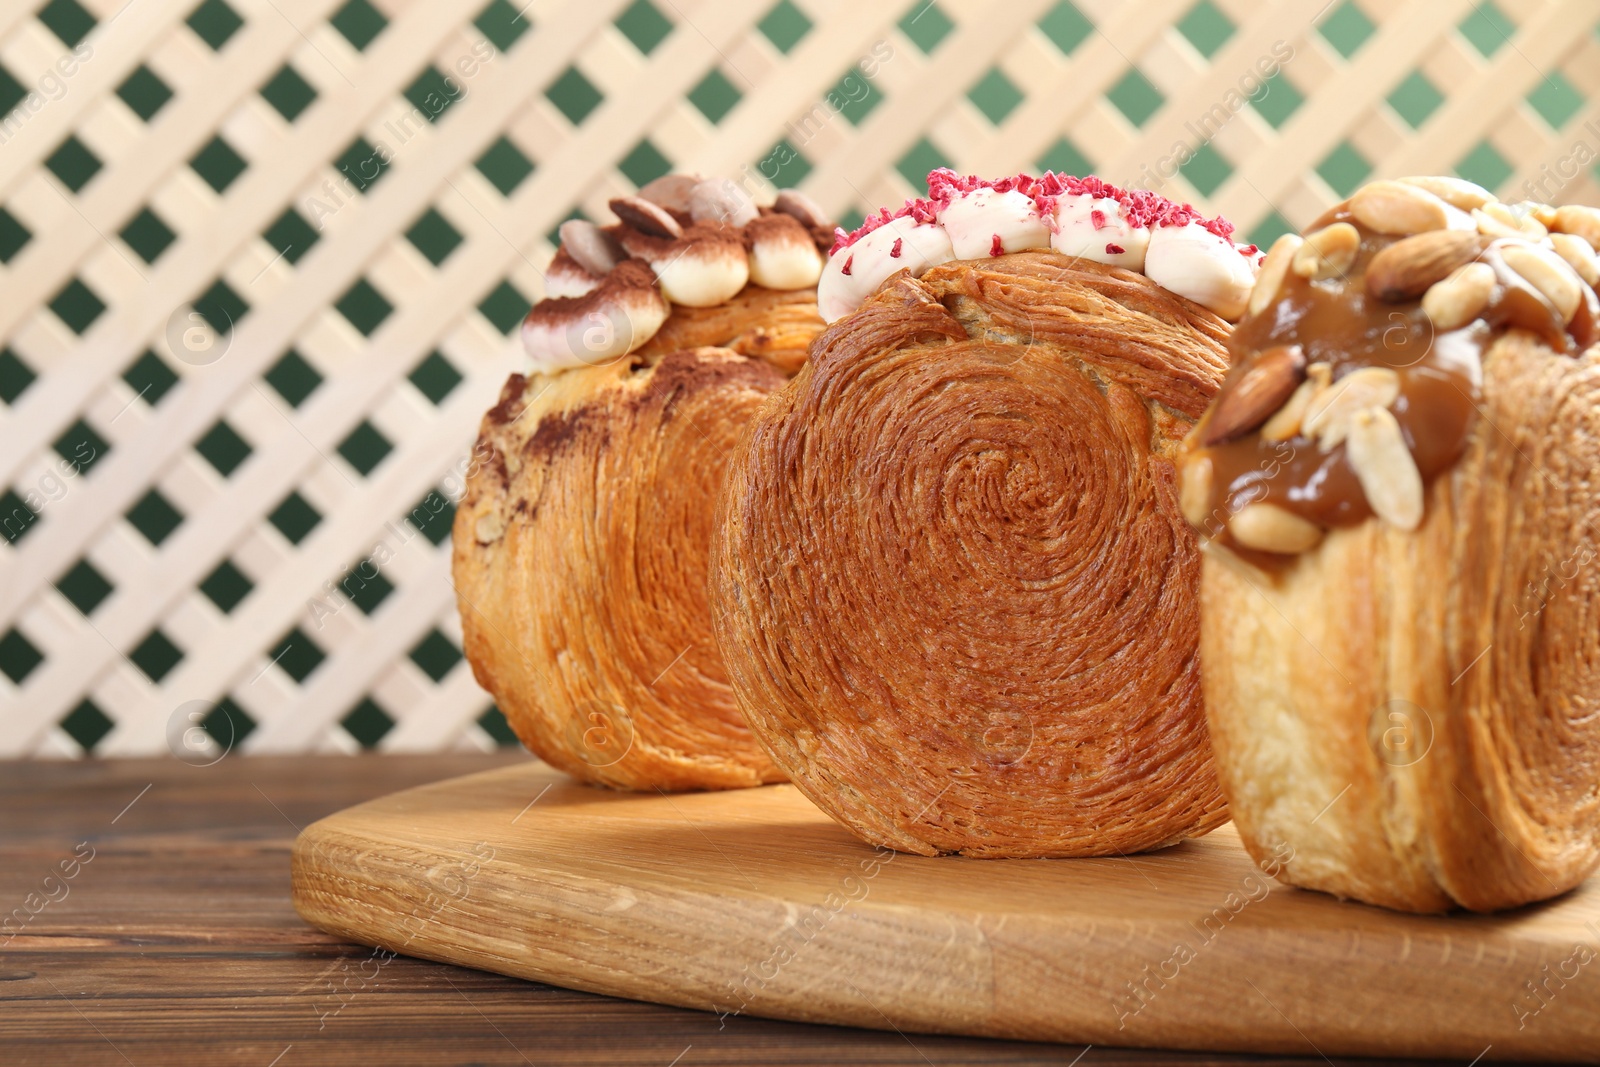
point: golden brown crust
(776, 326)
(1417, 715)
(580, 567)
(952, 585)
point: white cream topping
(1076, 232)
(702, 279)
(1193, 262)
(973, 221)
(900, 244)
(785, 264)
(568, 279)
(594, 337)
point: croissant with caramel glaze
(1401, 605)
(952, 585)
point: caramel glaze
(1337, 321)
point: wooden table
(161, 933)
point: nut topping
(1194, 489)
(1330, 411)
(1269, 528)
(1406, 269)
(1548, 273)
(1457, 192)
(1328, 253)
(1579, 256)
(1460, 298)
(1498, 220)
(1341, 407)
(1580, 220)
(1287, 422)
(1388, 475)
(1397, 208)
(1255, 396)
(1273, 269)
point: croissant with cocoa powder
(580, 546)
(1401, 609)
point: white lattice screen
(261, 259)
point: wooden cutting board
(753, 901)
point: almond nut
(646, 217)
(1269, 528)
(1460, 298)
(1273, 269)
(1457, 192)
(1581, 220)
(1261, 390)
(1194, 489)
(1328, 252)
(1384, 467)
(1406, 269)
(1579, 256)
(1548, 273)
(1330, 411)
(1398, 208)
(594, 250)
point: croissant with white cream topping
(953, 586)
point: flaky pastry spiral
(952, 585)
(580, 562)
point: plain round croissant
(580, 566)
(1416, 714)
(952, 584)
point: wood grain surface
(177, 944)
(753, 903)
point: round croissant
(953, 587)
(580, 564)
(1401, 608)
(1415, 715)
